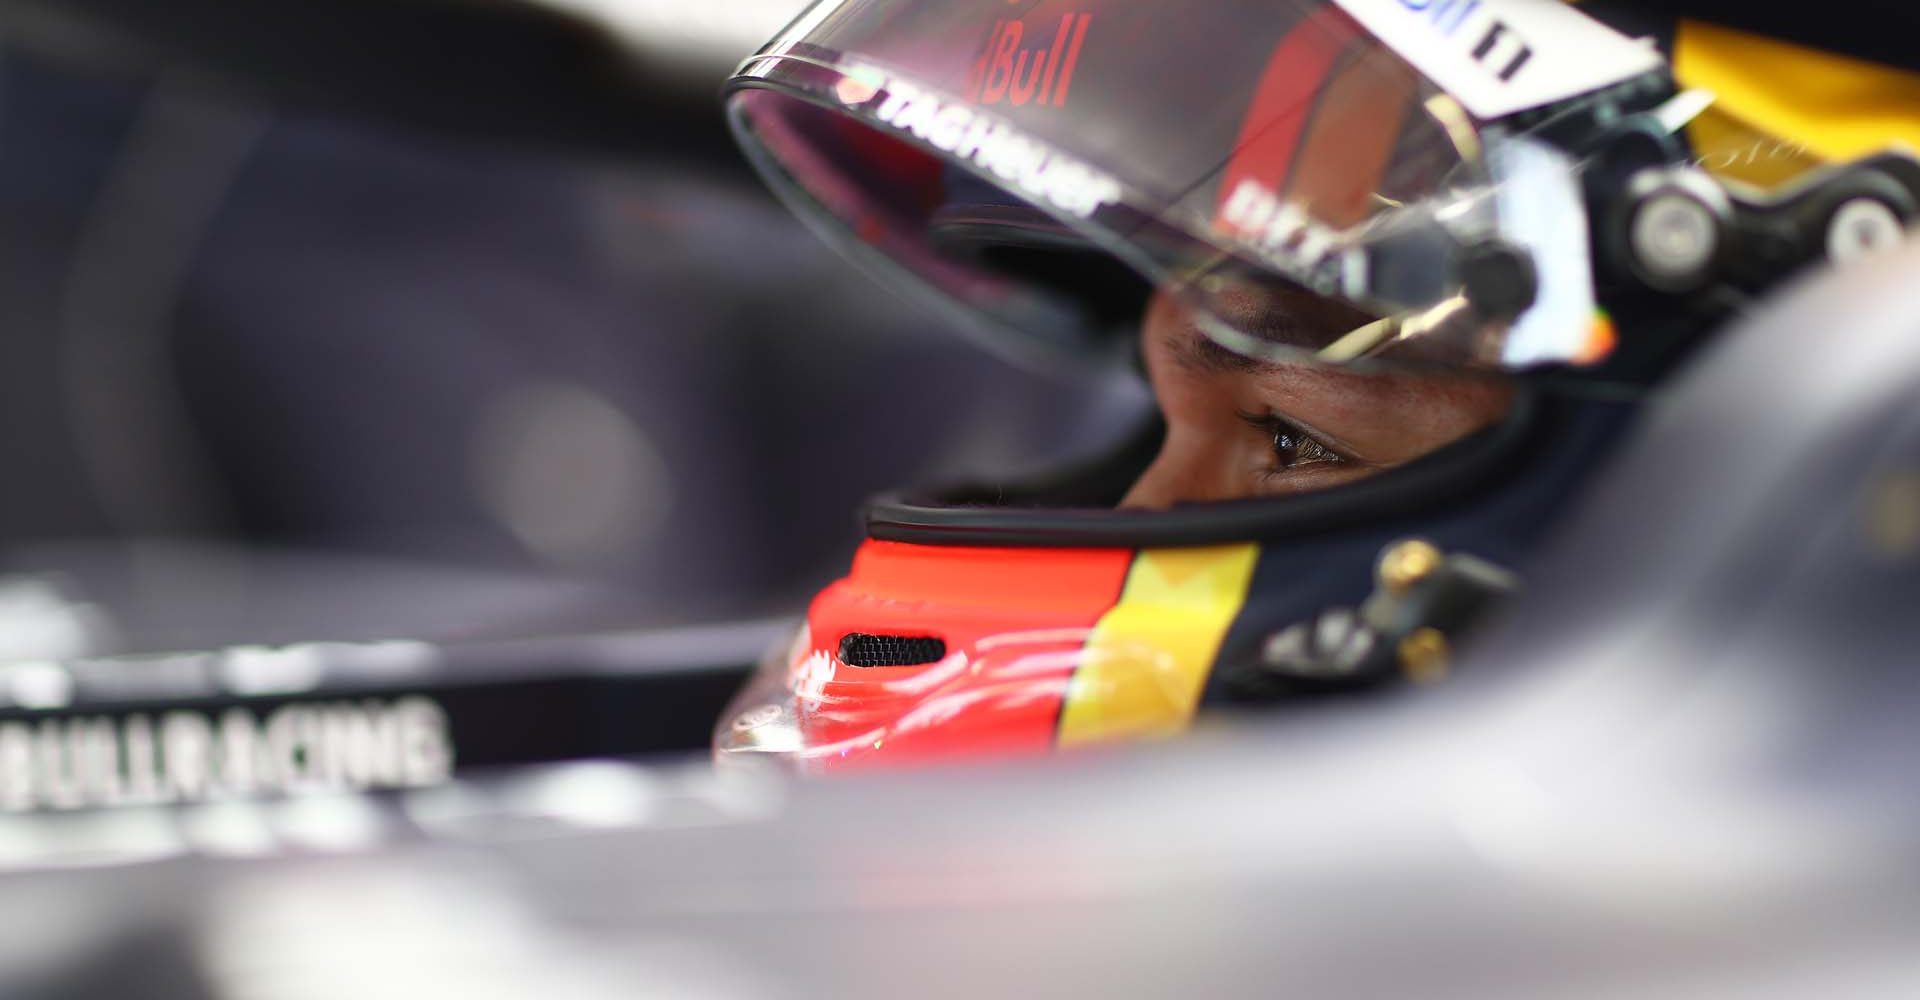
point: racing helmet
(1538, 208)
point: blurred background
(433, 346)
(319, 323)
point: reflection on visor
(991, 152)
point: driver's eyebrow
(1201, 355)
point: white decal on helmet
(1027, 165)
(1281, 230)
(1498, 57)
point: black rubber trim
(1442, 477)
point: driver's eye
(1292, 447)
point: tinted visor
(1042, 164)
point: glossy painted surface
(1042, 648)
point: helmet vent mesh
(859, 649)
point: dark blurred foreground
(1681, 767)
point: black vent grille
(859, 649)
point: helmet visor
(1044, 163)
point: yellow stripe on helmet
(1144, 667)
(1782, 108)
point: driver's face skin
(1242, 428)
